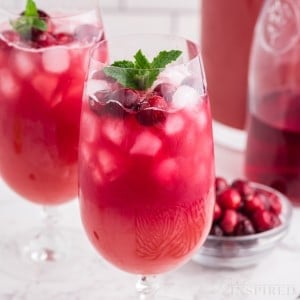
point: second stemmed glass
(44, 49)
(146, 163)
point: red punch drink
(273, 148)
(146, 164)
(41, 87)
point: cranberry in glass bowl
(250, 220)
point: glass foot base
(58, 256)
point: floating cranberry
(97, 101)
(229, 199)
(217, 212)
(242, 186)
(115, 108)
(166, 90)
(229, 221)
(152, 111)
(127, 97)
(43, 40)
(64, 38)
(220, 184)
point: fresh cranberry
(216, 230)
(229, 221)
(115, 109)
(220, 184)
(229, 199)
(262, 220)
(127, 97)
(43, 40)
(97, 101)
(152, 111)
(244, 227)
(242, 186)
(252, 203)
(165, 90)
(217, 212)
(87, 33)
(64, 38)
(275, 204)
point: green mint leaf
(124, 76)
(31, 9)
(29, 20)
(123, 64)
(164, 58)
(141, 61)
(140, 74)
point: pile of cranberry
(149, 107)
(242, 209)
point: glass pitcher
(226, 36)
(273, 143)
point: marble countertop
(88, 277)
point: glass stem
(147, 287)
(50, 216)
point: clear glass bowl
(244, 251)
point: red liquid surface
(146, 192)
(40, 101)
(273, 149)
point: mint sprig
(140, 73)
(29, 20)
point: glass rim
(98, 45)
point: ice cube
(87, 33)
(23, 64)
(94, 85)
(56, 59)
(173, 74)
(146, 144)
(108, 164)
(174, 124)
(9, 87)
(185, 97)
(46, 85)
(167, 170)
(114, 130)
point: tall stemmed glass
(146, 163)
(44, 48)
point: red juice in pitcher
(273, 149)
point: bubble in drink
(185, 97)
(146, 144)
(56, 60)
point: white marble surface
(89, 278)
